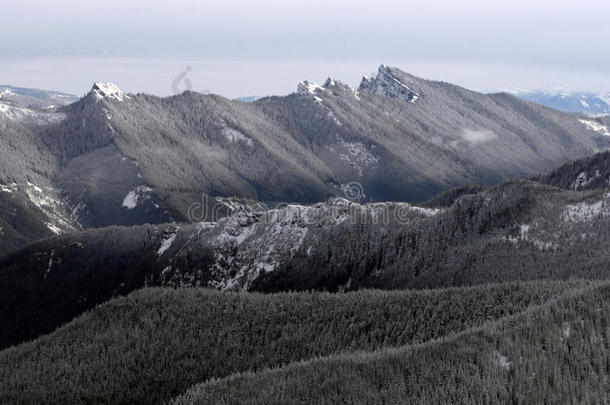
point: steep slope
(31, 213)
(24, 155)
(104, 188)
(30, 206)
(155, 343)
(585, 174)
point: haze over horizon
(263, 48)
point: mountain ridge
(592, 103)
(399, 137)
(340, 245)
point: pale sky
(241, 48)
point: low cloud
(477, 137)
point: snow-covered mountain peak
(330, 82)
(307, 88)
(332, 85)
(385, 83)
(108, 90)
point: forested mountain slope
(30, 207)
(156, 343)
(584, 174)
(517, 231)
(556, 353)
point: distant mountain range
(569, 101)
(34, 98)
(32, 105)
(112, 158)
(248, 99)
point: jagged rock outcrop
(108, 90)
(385, 83)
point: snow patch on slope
(566, 330)
(586, 211)
(356, 155)
(332, 83)
(533, 233)
(6, 188)
(166, 244)
(306, 88)
(248, 244)
(597, 127)
(50, 204)
(136, 196)
(50, 265)
(234, 135)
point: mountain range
(34, 98)
(112, 158)
(332, 245)
(569, 101)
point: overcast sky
(240, 48)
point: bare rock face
(108, 90)
(387, 84)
